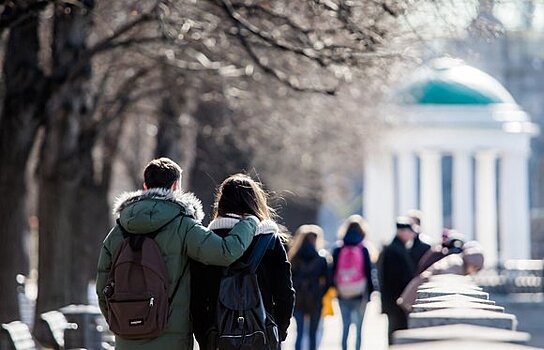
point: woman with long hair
(310, 278)
(239, 196)
(352, 275)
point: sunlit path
(374, 330)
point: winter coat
(142, 212)
(353, 238)
(418, 249)
(311, 268)
(273, 274)
(396, 270)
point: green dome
(451, 82)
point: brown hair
(240, 194)
(161, 173)
(354, 222)
(301, 235)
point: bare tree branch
(273, 14)
(108, 42)
(279, 75)
(267, 37)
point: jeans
(314, 318)
(352, 311)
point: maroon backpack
(137, 288)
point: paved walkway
(374, 330)
(330, 334)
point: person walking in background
(237, 196)
(419, 246)
(452, 243)
(171, 218)
(396, 270)
(352, 276)
(310, 278)
(466, 260)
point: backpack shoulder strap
(260, 248)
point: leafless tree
(232, 79)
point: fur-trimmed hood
(264, 227)
(191, 205)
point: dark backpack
(306, 284)
(241, 319)
(137, 288)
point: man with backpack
(143, 281)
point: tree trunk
(18, 126)
(217, 152)
(62, 163)
(176, 135)
(94, 221)
(169, 131)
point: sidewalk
(330, 333)
(374, 330)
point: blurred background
(339, 107)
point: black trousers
(398, 319)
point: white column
(462, 206)
(378, 197)
(407, 180)
(431, 193)
(486, 205)
(515, 236)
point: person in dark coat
(352, 234)
(238, 196)
(419, 248)
(396, 270)
(311, 280)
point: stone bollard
(455, 305)
(435, 292)
(460, 332)
(88, 334)
(454, 313)
(454, 297)
(462, 316)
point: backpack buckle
(241, 322)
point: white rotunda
(449, 109)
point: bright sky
(510, 12)
(454, 15)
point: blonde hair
(301, 235)
(356, 222)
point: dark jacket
(182, 238)
(274, 276)
(396, 270)
(353, 238)
(311, 278)
(418, 249)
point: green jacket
(142, 212)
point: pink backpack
(350, 278)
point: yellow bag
(328, 310)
